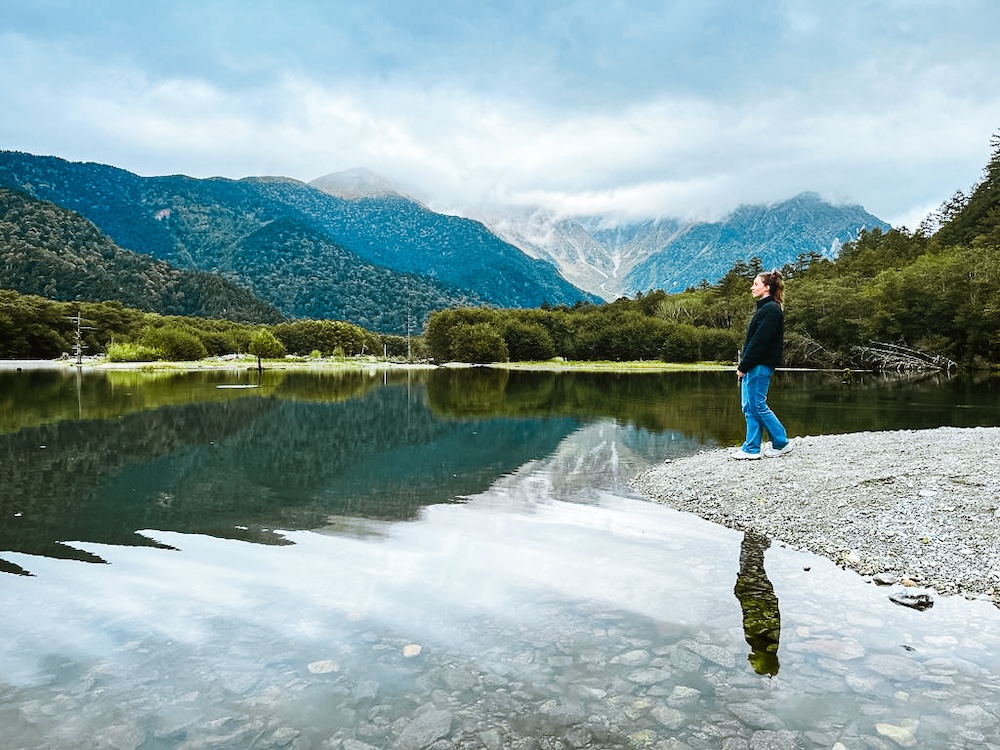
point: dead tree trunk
(882, 356)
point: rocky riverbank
(914, 506)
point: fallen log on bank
(882, 356)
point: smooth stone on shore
(716, 654)
(427, 728)
(895, 667)
(904, 733)
(642, 738)
(648, 676)
(912, 599)
(671, 718)
(683, 696)
(351, 744)
(323, 666)
(831, 648)
(636, 658)
(774, 740)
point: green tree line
(623, 330)
(33, 327)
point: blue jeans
(753, 402)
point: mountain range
(382, 263)
(351, 246)
(613, 259)
(620, 259)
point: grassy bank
(247, 362)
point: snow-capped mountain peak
(613, 260)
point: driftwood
(882, 356)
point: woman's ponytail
(775, 285)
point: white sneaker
(771, 452)
(742, 455)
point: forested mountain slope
(298, 268)
(54, 252)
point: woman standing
(761, 355)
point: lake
(448, 559)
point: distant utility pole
(79, 346)
(409, 322)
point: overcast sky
(683, 108)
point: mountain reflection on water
(243, 467)
(446, 559)
(97, 457)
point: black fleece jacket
(765, 337)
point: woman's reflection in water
(761, 619)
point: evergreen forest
(50, 251)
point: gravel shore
(913, 506)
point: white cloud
(860, 105)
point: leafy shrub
(174, 343)
(217, 343)
(239, 340)
(443, 327)
(265, 345)
(396, 346)
(303, 336)
(618, 336)
(528, 341)
(125, 351)
(478, 343)
(681, 344)
(719, 344)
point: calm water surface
(447, 559)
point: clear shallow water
(334, 561)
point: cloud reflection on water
(552, 576)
